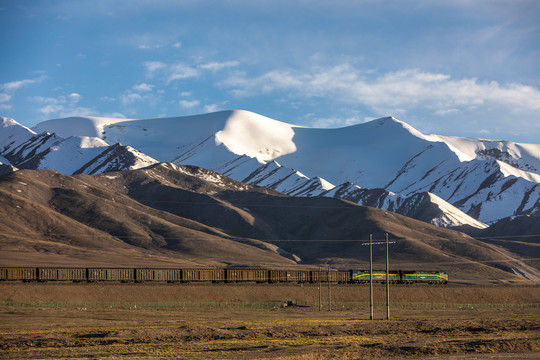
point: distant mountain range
(460, 183)
(168, 215)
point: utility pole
(329, 296)
(370, 277)
(319, 287)
(387, 282)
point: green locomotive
(401, 276)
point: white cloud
(74, 97)
(16, 85)
(4, 97)
(61, 106)
(169, 72)
(143, 87)
(216, 107)
(398, 92)
(152, 41)
(216, 66)
(188, 104)
(153, 66)
(51, 109)
(44, 100)
(212, 108)
(333, 122)
(76, 111)
(130, 98)
(147, 41)
(11, 87)
(139, 93)
(181, 71)
(150, 47)
(444, 112)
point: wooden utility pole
(387, 282)
(329, 292)
(320, 287)
(370, 277)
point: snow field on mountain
(357, 153)
(256, 136)
(452, 216)
(524, 156)
(66, 156)
(13, 132)
(382, 163)
(502, 199)
(508, 170)
(91, 126)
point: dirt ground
(75, 332)
(459, 294)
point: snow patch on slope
(452, 215)
(67, 155)
(522, 156)
(13, 134)
(508, 170)
(90, 126)
(256, 136)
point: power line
(395, 240)
(461, 262)
(351, 204)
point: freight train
(231, 275)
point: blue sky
(459, 67)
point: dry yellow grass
(282, 333)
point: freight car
(62, 274)
(217, 275)
(294, 276)
(203, 275)
(111, 274)
(18, 274)
(246, 275)
(331, 276)
(165, 275)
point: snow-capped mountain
(449, 181)
(27, 149)
(423, 206)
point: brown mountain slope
(168, 214)
(50, 212)
(519, 235)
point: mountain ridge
(482, 178)
(133, 218)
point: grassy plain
(509, 331)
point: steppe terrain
(135, 321)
